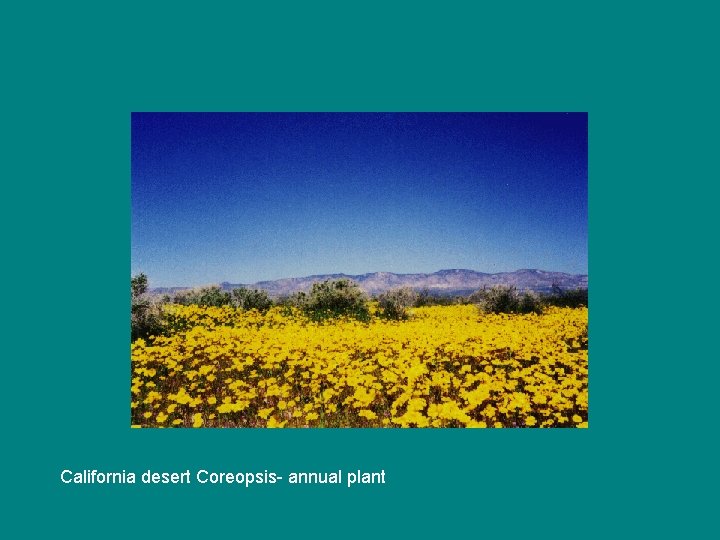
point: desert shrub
(529, 302)
(498, 299)
(426, 297)
(145, 320)
(502, 299)
(395, 303)
(205, 296)
(289, 303)
(331, 299)
(251, 299)
(572, 298)
(298, 300)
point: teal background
(73, 72)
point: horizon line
(219, 283)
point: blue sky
(244, 197)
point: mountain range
(443, 282)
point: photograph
(359, 270)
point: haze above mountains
(443, 282)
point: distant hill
(443, 282)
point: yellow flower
(232, 407)
(274, 423)
(444, 366)
(197, 420)
(363, 397)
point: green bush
(289, 302)
(251, 299)
(205, 296)
(503, 299)
(396, 302)
(298, 300)
(331, 299)
(572, 298)
(145, 320)
(530, 302)
(427, 298)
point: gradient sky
(244, 197)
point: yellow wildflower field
(447, 366)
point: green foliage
(502, 299)
(395, 303)
(572, 298)
(138, 285)
(251, 299)
(145, 318)
(298, 300)
(530, 303)
(205, 296)
(426, 298)
(331, 299)
(289, 302)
